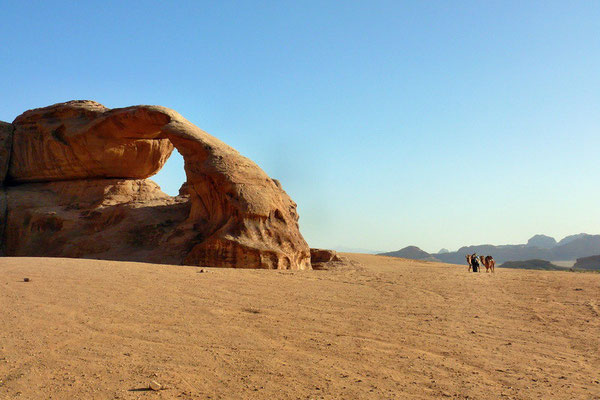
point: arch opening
(171, 176)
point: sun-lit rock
(76, 188)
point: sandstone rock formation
(323, 259)
(323, 255)
(76, 187)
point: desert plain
(373, 327)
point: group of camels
(487, 261)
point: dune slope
(379, 328)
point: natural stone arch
(240, 216)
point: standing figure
(475, 263)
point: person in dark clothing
(475, 262)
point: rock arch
(237, 216)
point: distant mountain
(592, 263)
(541, 241)
(538, 247)
(411, 252)
(532, 264)
(569, 239)
(583, 245)
(443, 251)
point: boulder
(323, 256)
(77, 189)
(322, 259)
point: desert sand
(377, 328)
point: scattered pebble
(26, 280)
(155, 385)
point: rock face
(6, 132)
(76, 187)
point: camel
(488, 262)
(468, 257)
(482, 262)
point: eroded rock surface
(76, 187)
(6, 132)
(78, 140)
(323, 258)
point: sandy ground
(380, 328)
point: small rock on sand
(155, 385)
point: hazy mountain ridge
(411, 252)
(569, 248)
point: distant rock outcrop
(532, 264)
(74, 186)
(443, 251)
(411, 252)
(541, 241)
(591, 263)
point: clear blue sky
(433, 123)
